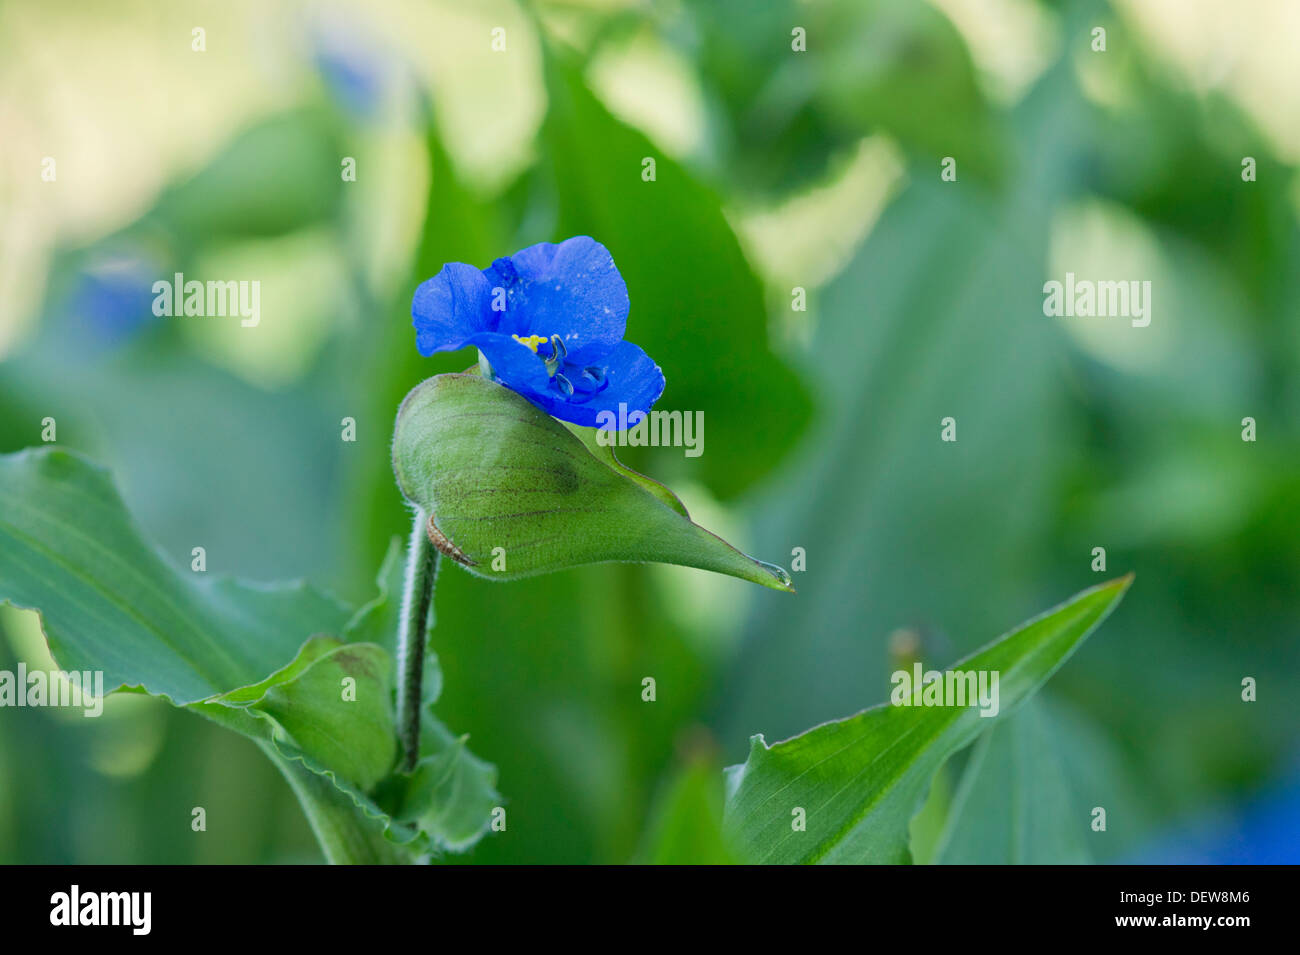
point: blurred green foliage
(821, 428)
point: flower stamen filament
(558, 350)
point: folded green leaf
(450, 797)
(512, 492)
(686, 825)
(446, 804)
(855, 783)
(1013, 804)
(333, 702)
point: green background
(774, 169)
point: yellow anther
(532, 341)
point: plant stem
(345, 835)
(413, 636)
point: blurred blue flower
(351, 78)
(113, 297)
(1264, 830)
(550, 321)
(355, 70)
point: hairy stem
(413, 635)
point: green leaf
(871, 495)
(1013, 805)
(861, 779)
(686, 827)
(345, 726)
(110, 602)
(503, 481)
(697, 306)
(346, 835)
(604, 453)
(376, 620)
(445, 804)
(271, 178)
(256, 660)
(451, 795)
(878, 65)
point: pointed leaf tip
(860, 780)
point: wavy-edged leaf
(494, 471)
(445, 805)
(451, 795)
(859, 780)
(108, 601)
(334, 701)
(257, 660)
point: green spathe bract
(511, 492)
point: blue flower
(353, 71)
(113, 296)
(550, 321)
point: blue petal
(634, 381)
(573, 290)
(450, 308)
(513, 364)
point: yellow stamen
(532, 341)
